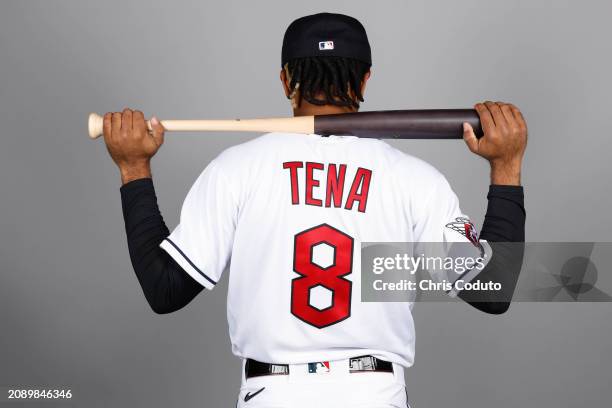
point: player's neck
(308, 109)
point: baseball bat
(392, 124)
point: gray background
(72, 313)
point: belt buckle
(363, 363)
(279, 369)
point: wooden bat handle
(301, 124)
(398, 124)
(95, 125)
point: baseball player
(290, 211)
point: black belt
(254, 368)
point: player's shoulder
(251, 149)
(407, 165)
(419, 180)
(243, 160)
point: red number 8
(313, 275)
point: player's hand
(504, 140)
(130, 143)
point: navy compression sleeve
(505, 217)
(166, 286)
(504, 229)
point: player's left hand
(504, 140)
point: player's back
(291, 210)
(305, 203)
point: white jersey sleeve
(442, 230)
(202, 243)
(434, 212)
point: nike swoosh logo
(248, 396)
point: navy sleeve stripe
(189, 261)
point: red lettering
(311, 183)
(293, 167)
(335, 185)
(362, 179)
(334, 188)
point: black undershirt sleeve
(166, 286)
(505, 217)
(504, 229)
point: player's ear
(285, 81)
(364, 81)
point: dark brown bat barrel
(400, 124)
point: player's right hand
(130, 143)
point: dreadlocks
(337, 78)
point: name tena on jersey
(324, 185)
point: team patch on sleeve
(466, 228)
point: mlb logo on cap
(334, 34)
(326, 45)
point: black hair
(335, 77)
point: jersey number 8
(331, 277)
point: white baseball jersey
(290, 212)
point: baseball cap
(326, 34)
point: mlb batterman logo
(326, 45)
(320, 367)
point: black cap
(326, 34)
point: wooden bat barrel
(400, 124)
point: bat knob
(95, 125)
